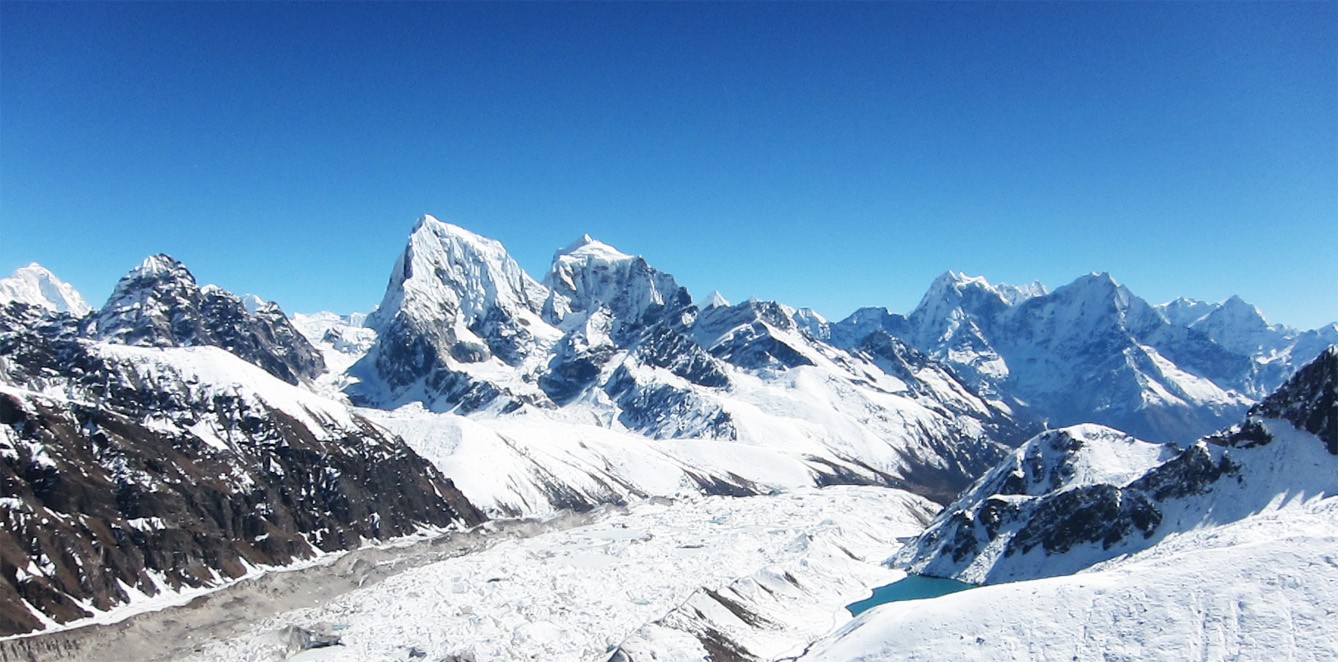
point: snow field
(1262, 588)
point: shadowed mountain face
(139, 469)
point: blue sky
(825, 155)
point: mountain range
(185, 436)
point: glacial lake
(912, 587)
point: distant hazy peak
(713, 300)
(37, 286)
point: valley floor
(662, 579)
(578, 593)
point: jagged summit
(1184, 311)
(437, 226)
(589, 275)
(953, 287)
(455, 300)
(159, 304)
(36, 286)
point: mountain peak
(713, 300)
(36, 285)
(428, 225)
(1237, 306)
(588, 247)
(1101, 279)
(158, 266)
(446, 269)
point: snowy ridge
(459, 327)
(1206, 552)
(36, 286)
(159, 304)
(1166, 374)
(1247, 590)
(1070, 498)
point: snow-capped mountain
(1070, 498)
(608, 339)
(159, 304)
(1276, 350)
(459, 327)
(36, 286)
(1092, 351)
(129, 471)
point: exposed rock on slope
(159, 304)
(459, 327)
(137, 470)
(607, 338)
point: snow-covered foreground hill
(1260, 589)
(578, 594)
(1227, 549)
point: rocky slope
(1222, 550)
(128, 471)
(159, 304)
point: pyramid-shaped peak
(589, 247)
(714, 300)
(1096, 283)
(1240, 305)
(1236, 311)
(35, 285)
(160, 265)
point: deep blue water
(913, 587)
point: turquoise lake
(913, 587)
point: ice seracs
(36, 286)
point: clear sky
(824, 155)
